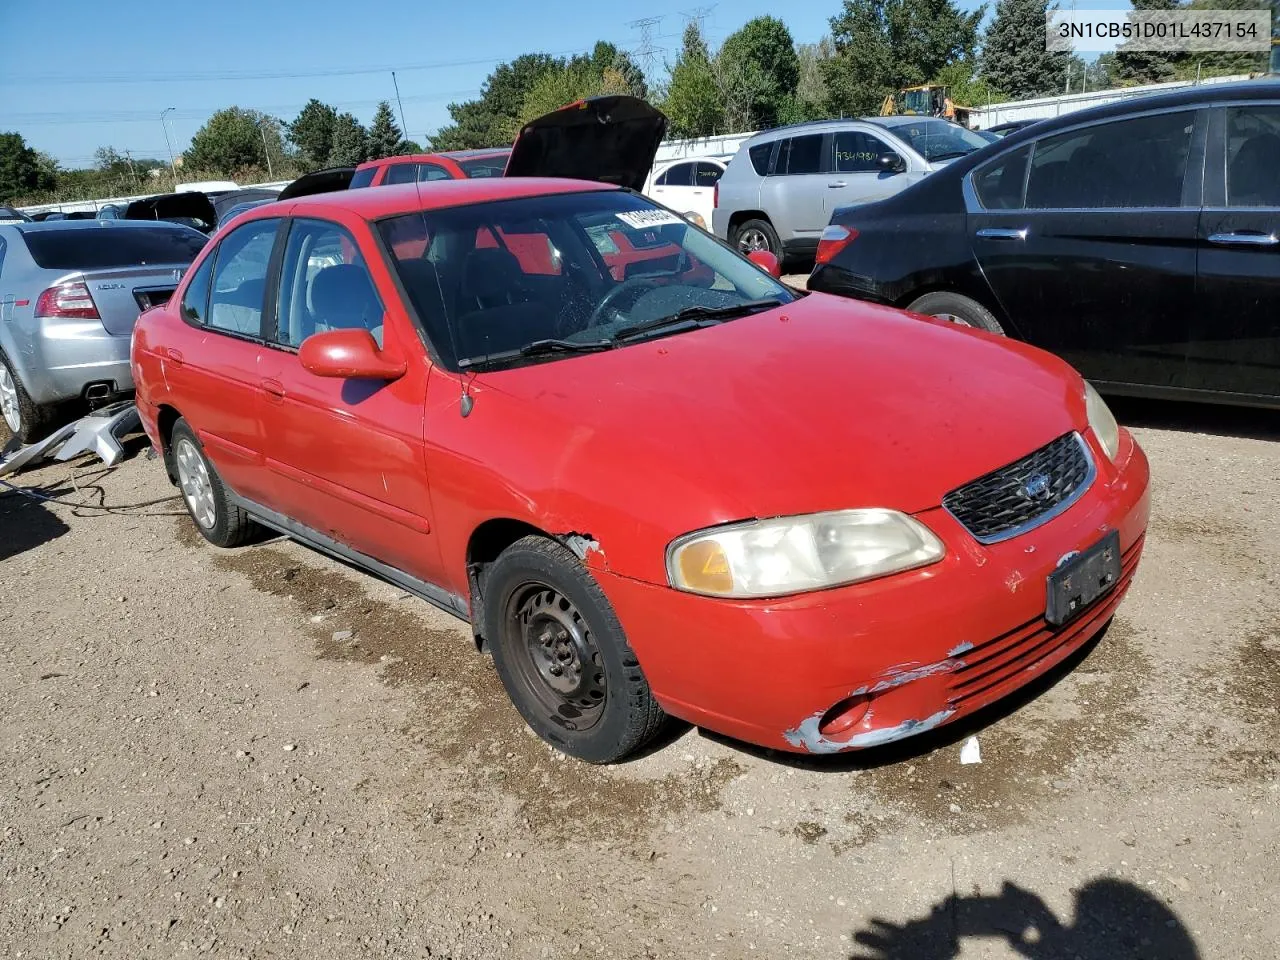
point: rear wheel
(753, 235)
(217, 517)
(26, 419)
(957, 309)
(562, 655)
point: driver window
(324, 285)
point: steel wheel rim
(9, 400)
(556, 657)
(197, 488)
(752, 240)
(952, 318)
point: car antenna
(465, 402)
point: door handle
(1003, 233)
(274, 389)
(837, 184)
(1244, 239)
(174, 355)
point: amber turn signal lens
(704, 567)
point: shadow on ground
(25, 524)
(1216, 419)
(1114, 920)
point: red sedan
(450, 165)
(806, 522)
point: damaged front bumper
(865, 665)
(99, 433)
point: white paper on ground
(971, 752)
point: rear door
(1087, 238)
(794, 195)
(1235, 328)
(214, 371)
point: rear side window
(800, 155)
(240, 278)
(759, 155)
(1138, 162)
(999, 182)
(400, 173)
(1253, 150)
(707, 175)
(195, 301)
(485, 166)
(433, 171)
(362, 178)
(3, 245)
(101, 248)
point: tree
(693, 104)
(966, 86)
(884, 45)
(743, 86)
(811, 86)
(20, 169)
(1135, 67)
(763, 51)
(384, 136)
(349, 147)
(1013, 51)
(1222, 63)
(233, 140)
(488, 120)
(606, 71)
(312, 132)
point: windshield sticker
(639, 219)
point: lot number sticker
(640, 219)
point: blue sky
(98, 73)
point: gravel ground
(262, 753)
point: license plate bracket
(1083, 580)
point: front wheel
(957, 309)
(562, 656)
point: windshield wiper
(536, 349)
(951, 155)
(693, 317)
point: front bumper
(905, 653)
(57, 359)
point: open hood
(612, 139)
(193, 208)
(322, 181)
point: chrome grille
(1025, 493)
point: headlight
(696, 219)
(1102, 421)
(770, 558)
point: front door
(856, 176)
(346, 456)
(1235, 337)
(1091, 251)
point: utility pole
(404, 129)
(173, 166)
(266, 152)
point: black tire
(35, 421)
(219, 520)
(538, 589)
(748, 235)
(957, 308)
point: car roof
(900, 120)
(447, 154)
(54, 226)
(376, 202)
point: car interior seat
(1252, 178)
(343, 298)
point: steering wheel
(636, 287)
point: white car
(687, 186)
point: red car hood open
(821, 404)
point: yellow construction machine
(926, 100)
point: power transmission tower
(646, 52)
(700, 14)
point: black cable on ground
(124, 509)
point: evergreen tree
(384, 136)
(693, 104)
(1134, 67)
(312, 133)
(348, 142)
(1014, 58)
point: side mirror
(891, 162)
(767, 262)
(348, 354)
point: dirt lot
(261, 753)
